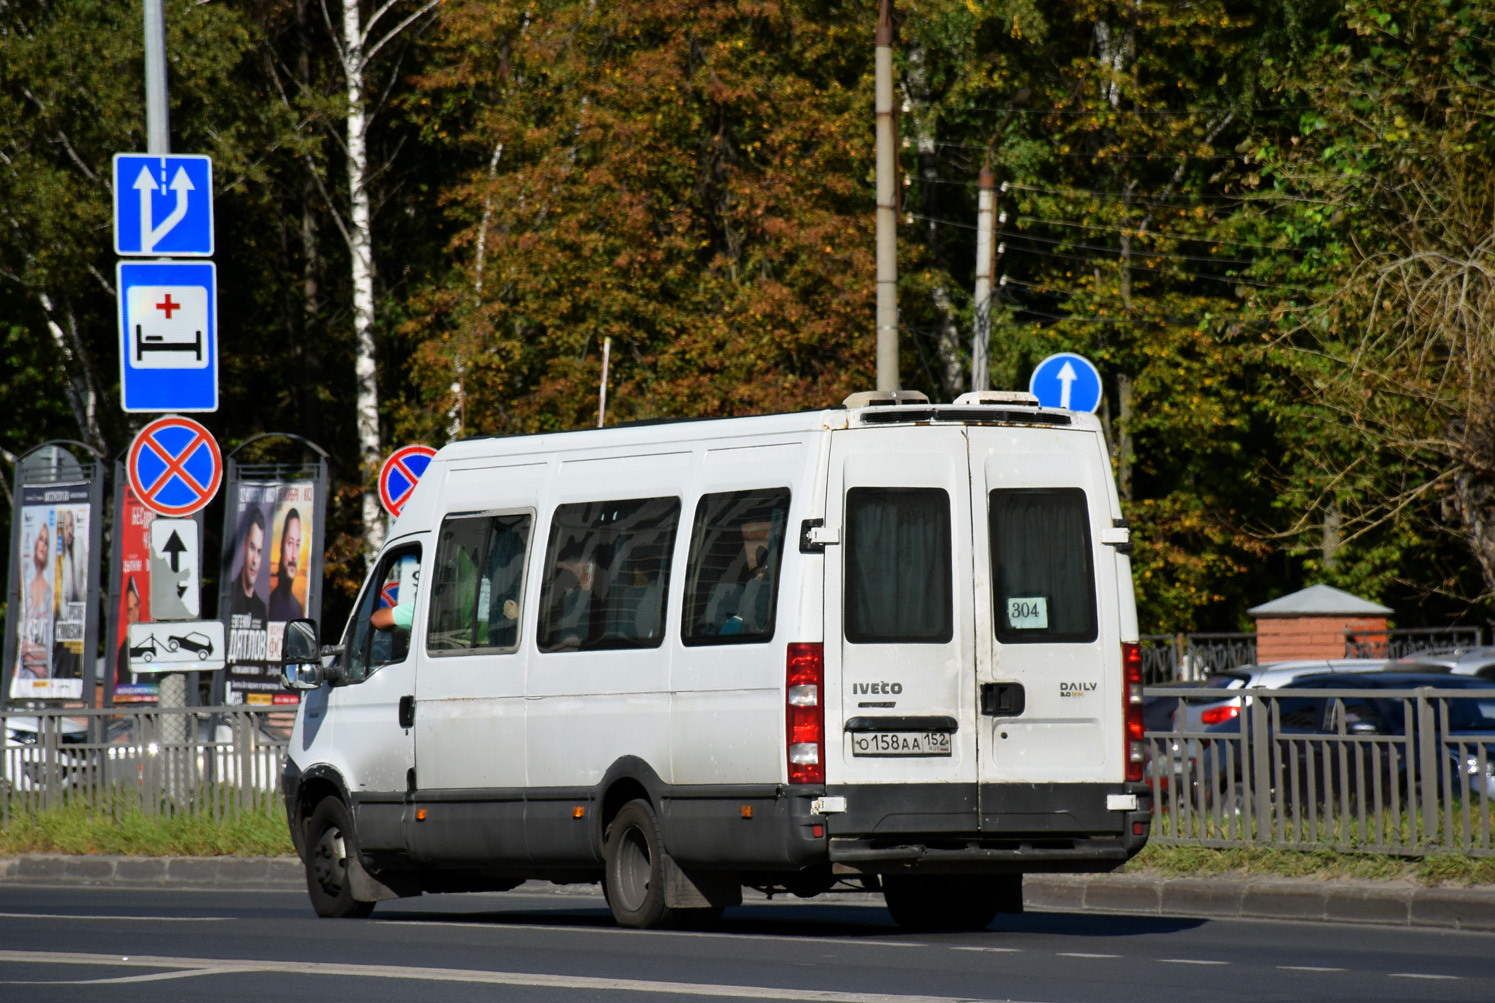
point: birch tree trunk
(360, 248)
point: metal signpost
(1066, 380)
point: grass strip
(1442, 869)
(75, 829)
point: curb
(1379, 903)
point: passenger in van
(397, 617)
(571, 584)
(754, 594)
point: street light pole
(157, 117)
(887, 207)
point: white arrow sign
(145, 184)
(1067, 377)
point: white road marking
(1189, 961)
(616, 931)
(190, 967)
(1306, 968)
(1420, 975)
(115, 919)
(1082, 954)
(993, 950)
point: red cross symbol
(168, 306)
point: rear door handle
(1002, 699)
(407, 712)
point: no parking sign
(175, 466)
(399, 475)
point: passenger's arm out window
(395, 583)
(732, 576)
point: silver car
(1478, 661)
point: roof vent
(879, 398)
(1007, 397)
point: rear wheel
(633, 882)
(949, 902)
(330, 844)
(634, 856)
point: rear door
(1048, 655)
(899, 643)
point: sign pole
(157, 116)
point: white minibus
(889, 646)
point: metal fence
(1399, 642)
(1303, 769)
(1186, 657)
(217, 762)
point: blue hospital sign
(168, 317)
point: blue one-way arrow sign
(1066, 380)
(163, 205)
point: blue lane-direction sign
(1066, 380)
(168, 325)
(163, 206)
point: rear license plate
(900, 743)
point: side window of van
(732, 579)
(606, 574)
(1041, 561)
(899, 588)
(477, 583)
(395, 582)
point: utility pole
(887, 207)
(157, 117)
(981, 338)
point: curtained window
(1041, 559)
(898, 566)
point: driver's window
(394, 584)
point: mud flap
(699, 889)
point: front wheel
(950, 902)
(330, 844)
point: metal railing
(1399, 642)
(223, 762)
(1186, 657)
(1420, 787)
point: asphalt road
(79, 944)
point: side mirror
(301, 656)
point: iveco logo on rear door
(878, 688)
(1075, 689)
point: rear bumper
(957, 828)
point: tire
(633, 882)
(950, 902)
(172, 645)
(330, 842)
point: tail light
(804, 713)
(1219, 715)
(1131, 666)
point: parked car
(26, 766)
(1478, 661)
(195, 642)
(1355, 726)
(1216, 704)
